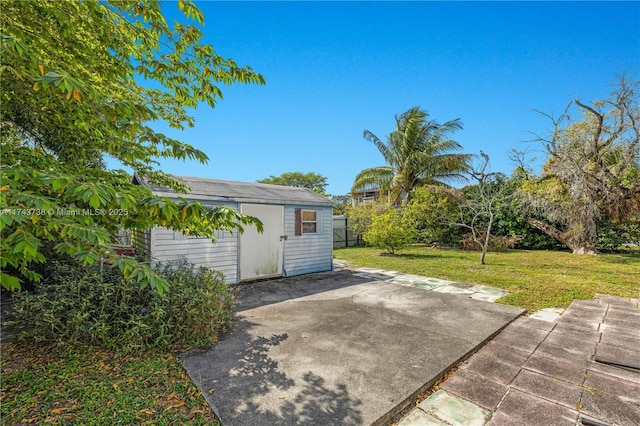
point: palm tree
(417, 152)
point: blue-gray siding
(303, 254)
(308, 253)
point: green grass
(83, 385)
(88, 386)
(534, 279)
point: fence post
(346, 231)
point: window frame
(303, 221)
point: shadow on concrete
(336, 349)
(262, 293)
(253, 389)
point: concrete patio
(337, 348)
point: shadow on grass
(621, 259)
(416, 256)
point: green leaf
(9, 282)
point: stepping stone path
(479, 292)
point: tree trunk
(483, 253)
(577, 247)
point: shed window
(309, 221)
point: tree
(417, 152)
(478, 211)
(389, 231)
(340, 203)
(313, 181)
(431, 212)
(592, 172)
(360, 216)
(83, 80)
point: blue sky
(334, 69)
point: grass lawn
(534, 279)
(89, 386)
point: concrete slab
(534, 323)
(620, 341)
(521, 337)
(565, 369)
(619, 373)
(453, 410)
(451, 289)
(421, 286)
(574, 347)
(505, 353)
(420, 418)
(577, 332)
(560, 351)
(623, 331)
(627, 302)
(492, 368)
(370, 270)
(607, 397)
(579, 322)
(490, 298)
(548, 387)
(352, 352)
(435, 282)
(618, 354)
(476, 388)
(547, 314)
(624, 314)
(559, 380)
(586, 312)
(521, 408)
(489, 290)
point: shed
(297, 237)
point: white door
(261, 255)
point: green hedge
(97, 306)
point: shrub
(361, 215)
(388, 231)
(613, 236)
(94, 306)
(431, 211)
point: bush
(93, 306)
(613, 236)
(388, 231)
(361, 215)
(431, 211)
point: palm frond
(417, 152)
(375, 177)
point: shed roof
(241, 192)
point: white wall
(303, 254)
(221, 256)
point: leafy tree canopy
(313, 181)
(418, 152)
(431, 211)
(84, 80)
(592, 171)
(389, 231)
(341, 203)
